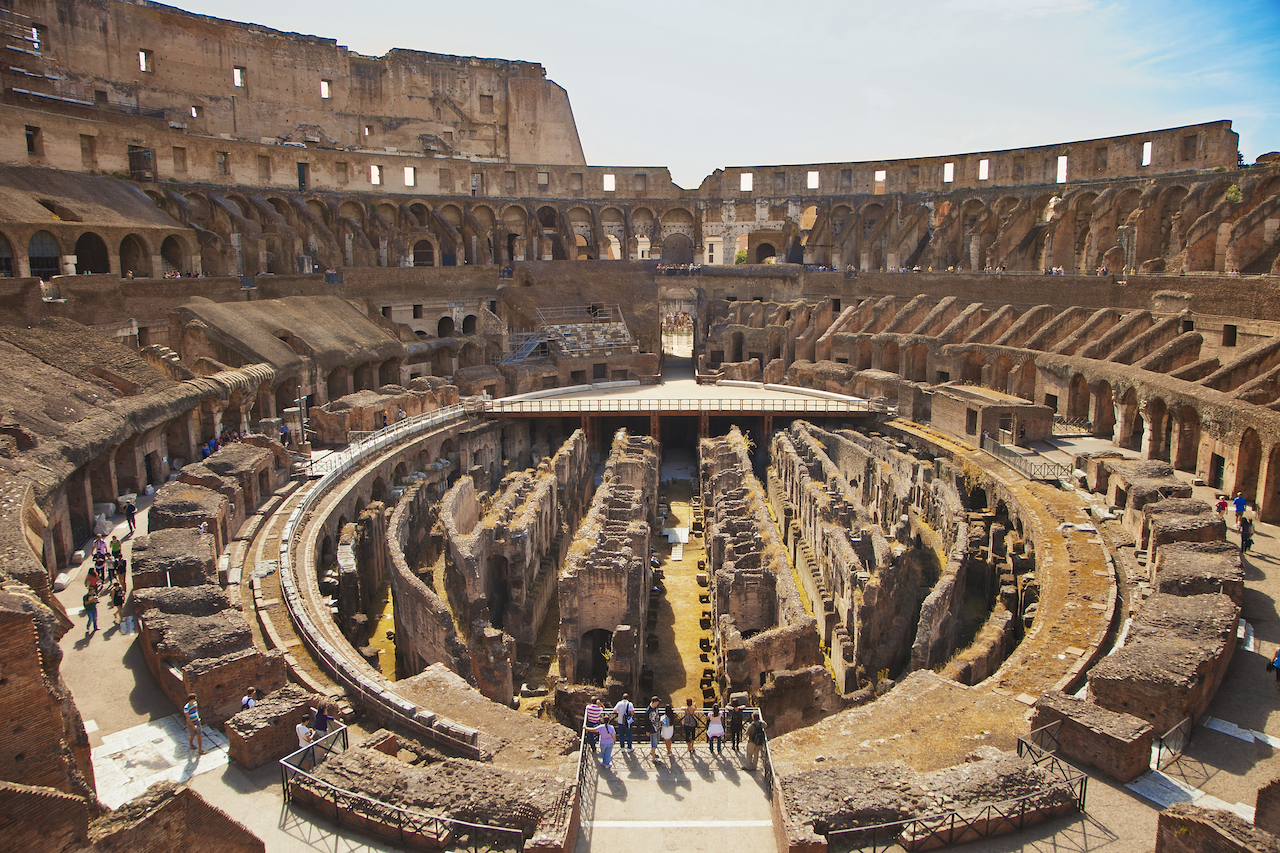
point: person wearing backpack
(755, 741)
(625, 713)
(654, 717)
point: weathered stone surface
(1200, 568)
(177, 556)
(1117, 744)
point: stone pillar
(157, 266)
(1150, 449)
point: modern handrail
(661, 404)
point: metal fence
(406, 826)
(1170, 745)
(985, 821)
(1031, 467)
(611, 405)
(1072, 426)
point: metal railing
(1072, 426)
(341, 461)
(985, 821)
(1033, 468)
(1169, 746)
(407, 826)
(1044, 738)
(648, 405)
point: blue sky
(700, 85)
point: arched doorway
(593, 657)
(469, 324)
(1186, 448)
(134, 257)
(44, 254)
(444, 328)
(91, 255)
(677, 249)
(1248, 461)
(424, 254)
(1078, 398)
(173, 255)
(1161, 429)
(764, 251)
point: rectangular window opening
(948, 172)
(746, 181)
(1190, 146)
(238, 76)
(812, 182)
(368, 130)
(544, 180)
(984, 170)
(410, 176)
(608, 183)
(223, 161)
(35, 141)
(486, 105)
(179, 159)
(1229, 333)
(264, 167)
(375, 175)
(575, 182)
(145, 62)
(196, 111)
(341, 173)
(1146, 153)
(326, 90)
(640, 184)
(1062, 169)
(881, 175)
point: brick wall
(170, 817)
(219, 683)
(1267, 815)
(41, 820)
(265, 732)
(1117, 744)
(1184, 828)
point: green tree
(740, 257)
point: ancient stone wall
(605, 582)
(1118, 744)
(172, 817)
(1185, 828)
(265, 732)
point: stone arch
(389, 213)
(419, 211)
(319, 209)
(91, 254)
(890, 360)
(1170, 211)
(378, 490)
(764, 251)
(677, 249)
(1248, 463)
(915, 363)
(1104, 411)
(1131, 423)
(1269, 500)
(1161, 429)
(174, 255)
(1024, 382)
(7, 266)
(1186, 449)
(469, 324)
(971, 366)
(353, 211)
(445, 327)
(470, 356)
(135, 256)
(1000, 373)
(1078, 397)
(44, 254)
(389, 372)
(336, 383)
(593, 657)
(862, 361)
(1083, 250)
(498, 589)
(424, 254)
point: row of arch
(47, 255)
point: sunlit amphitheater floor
(684, 807)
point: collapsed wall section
(604, 588)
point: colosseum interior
(428, 422)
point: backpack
(757, 735)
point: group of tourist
(605, 727)
(679, 269)
(221, 440)
(1245, 518)
(677, 322)
(107, 577)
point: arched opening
(469, 324)
(971, 368)
(1269, 500)
(1078, 398)
(916, 363)
(593, 657)
(1104, 417)
(134, 257)
(1248, 460)
(398, 475)
(1024, 384)
(1131, 420)
(444, 328)
(764, 251)
(424, 254)
(1186, 449)
(1000, 373)
(677, 249)
(1161, 429)
(735, 347)
(389, 372)
(44, 254)
(336, 384)
(498, 590)
(6, 258)
(890, 358)
(91, 255)
(378, 491)
(173, 255)
(863, 361)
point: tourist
(715, 730)
(116, 548)
(1221, 506)
(304, 732)
(594, 712)
(690, 723)
(117, 600)
(191, 711)
(625, 715)
(1240, 504)
(735, 726)
(654, 717)
(90, 601)
(668, 728)
(250, 699)
(131, 516)
(1275, 665)
(99, 548)
(606, 734)
(1246, 535)
(322, 718)
(755, 740)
